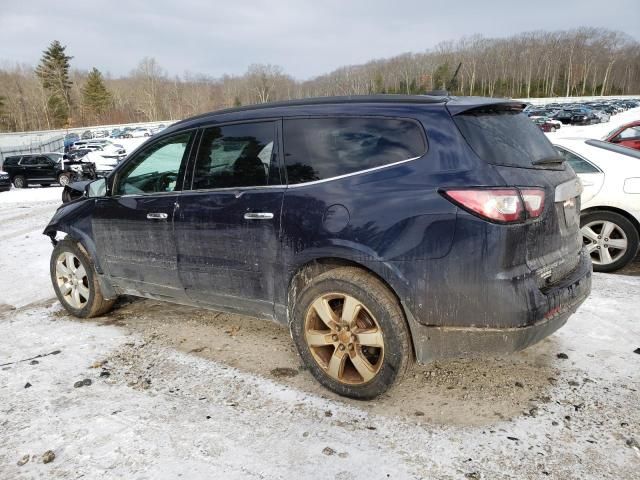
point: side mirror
(97, 188)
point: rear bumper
(560, 302)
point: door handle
(258, 216)
(157, 216)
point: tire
(77, 275)
(64, 179)
(19, 181)
(617, 228)
(377, 315)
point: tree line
(585, 61)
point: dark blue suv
(378, 229)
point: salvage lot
(179, 390)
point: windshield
(504, 137)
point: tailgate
(523, 156)
(553, 241)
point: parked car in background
(45, 169)
(5, 181)
(627, 135)
(78, 153)
(86, 135)
(104, 164)
(544, 124)
(141, 132)
(602, 116)
(610, 216)
(69, 139)
(376, 228)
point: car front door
(133, 225)
(228, 224)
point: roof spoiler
(459, 105)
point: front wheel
(64, 179)
(75, 281)
(19, 181)
(351, 333)
(610, 238)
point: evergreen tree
(53, 72)
(95, 96)
(441, 76)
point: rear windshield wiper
(548, 161)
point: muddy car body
(378, 228)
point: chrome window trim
(303, 184)
(351, 174)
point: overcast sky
(307, 38)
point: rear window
(322, 148)
(505, 138)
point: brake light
(501, 205)
(533, 201)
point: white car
(610, 210)
(104, 165)
(141, 132)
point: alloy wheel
(605, 241)
(72, 280)
(344, 338)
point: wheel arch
(305, 272)
(606, 208)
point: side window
(321, 148)
(629, 133)
(578, 164)
(240, 155)
(42, 161)
(28, 161)
(155, 169)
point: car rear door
(592, 177)
(228, 224)
(133, 225)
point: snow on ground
(25, 261)
(181, 392)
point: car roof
(344, 104)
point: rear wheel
(351, 333)
(19, 181)
(610, 238)
(75, 281)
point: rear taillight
(533, 199)
(501, 205)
